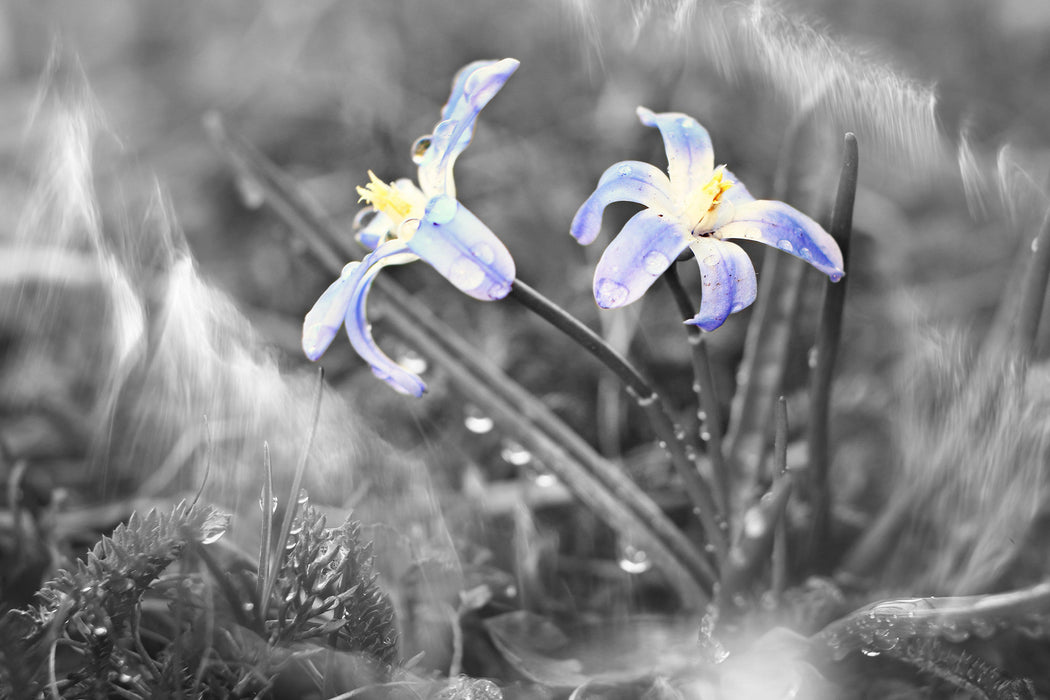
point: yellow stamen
(707, 198)
(385, 198)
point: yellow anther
(706, 199)
(716, 187)
(385, 198)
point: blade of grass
(266, 532)
(829, 334)
(1033, 291)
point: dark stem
(1033, 292)
(648, 400)
(829, 335)
(704, 386)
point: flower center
(705, 201)
(387, 199)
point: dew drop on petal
(624, 170)
(785, 245)
(610, 293)
(363, 218)
(514, 453)
(466, 273)
(634, 560)
(484, 253)
(655, 262)
(711, 260)
(420, 148)
(441, 210)
(806, 254)
(475, 421)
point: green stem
(829, 335)
(648, 400)
(704, 386)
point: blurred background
(949, 98)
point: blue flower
(698, 206)
(423, 222)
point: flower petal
(729, 283)
(782, 226)
(458, 245)
(323, 320)
(640, 253)
(359, 281)
(472, 88)
(375, 231)
(690, 155)
(627, 181)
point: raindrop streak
(634, 560)
(413, 362)
(515, 454)
(476, 421)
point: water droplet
(514, 453)
(705, 435)
(711, 260)
(248, 607)
(634, 560)
(476, 421)
(662, 444)
(812, 357)
(785, 245)
(755, 524)
(99, 631)
(412, 361)
(484, 253)
(624, 170)
(420, 148)
(273, 505)
(465, 273)
(609, 293)
(302, 498)
(806, 254)
(655, 262)
(363, 218)
(545, 480)
(1035, 244)
(441, 210)
(250, 191)
(870, 652)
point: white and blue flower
(698, 206)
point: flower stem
(648, 400)
(704, 386)
(829, 334)
(597, 483)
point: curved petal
(626, 181)
(640, 253)
(458, 245)
(323, 320)
(360, 281)
(472, 88)
(782, 226)
(732, 199)
(690, 155)
(376, 230)
(728, 277)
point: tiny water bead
(545, 480)
(655, 263)
(420, 148)
(634, 560)
(412, 361)
(466, 273)
(515, 454)
(610, 293)
(624, 170)
(250, 191)
(476, 421)
(785, 245)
